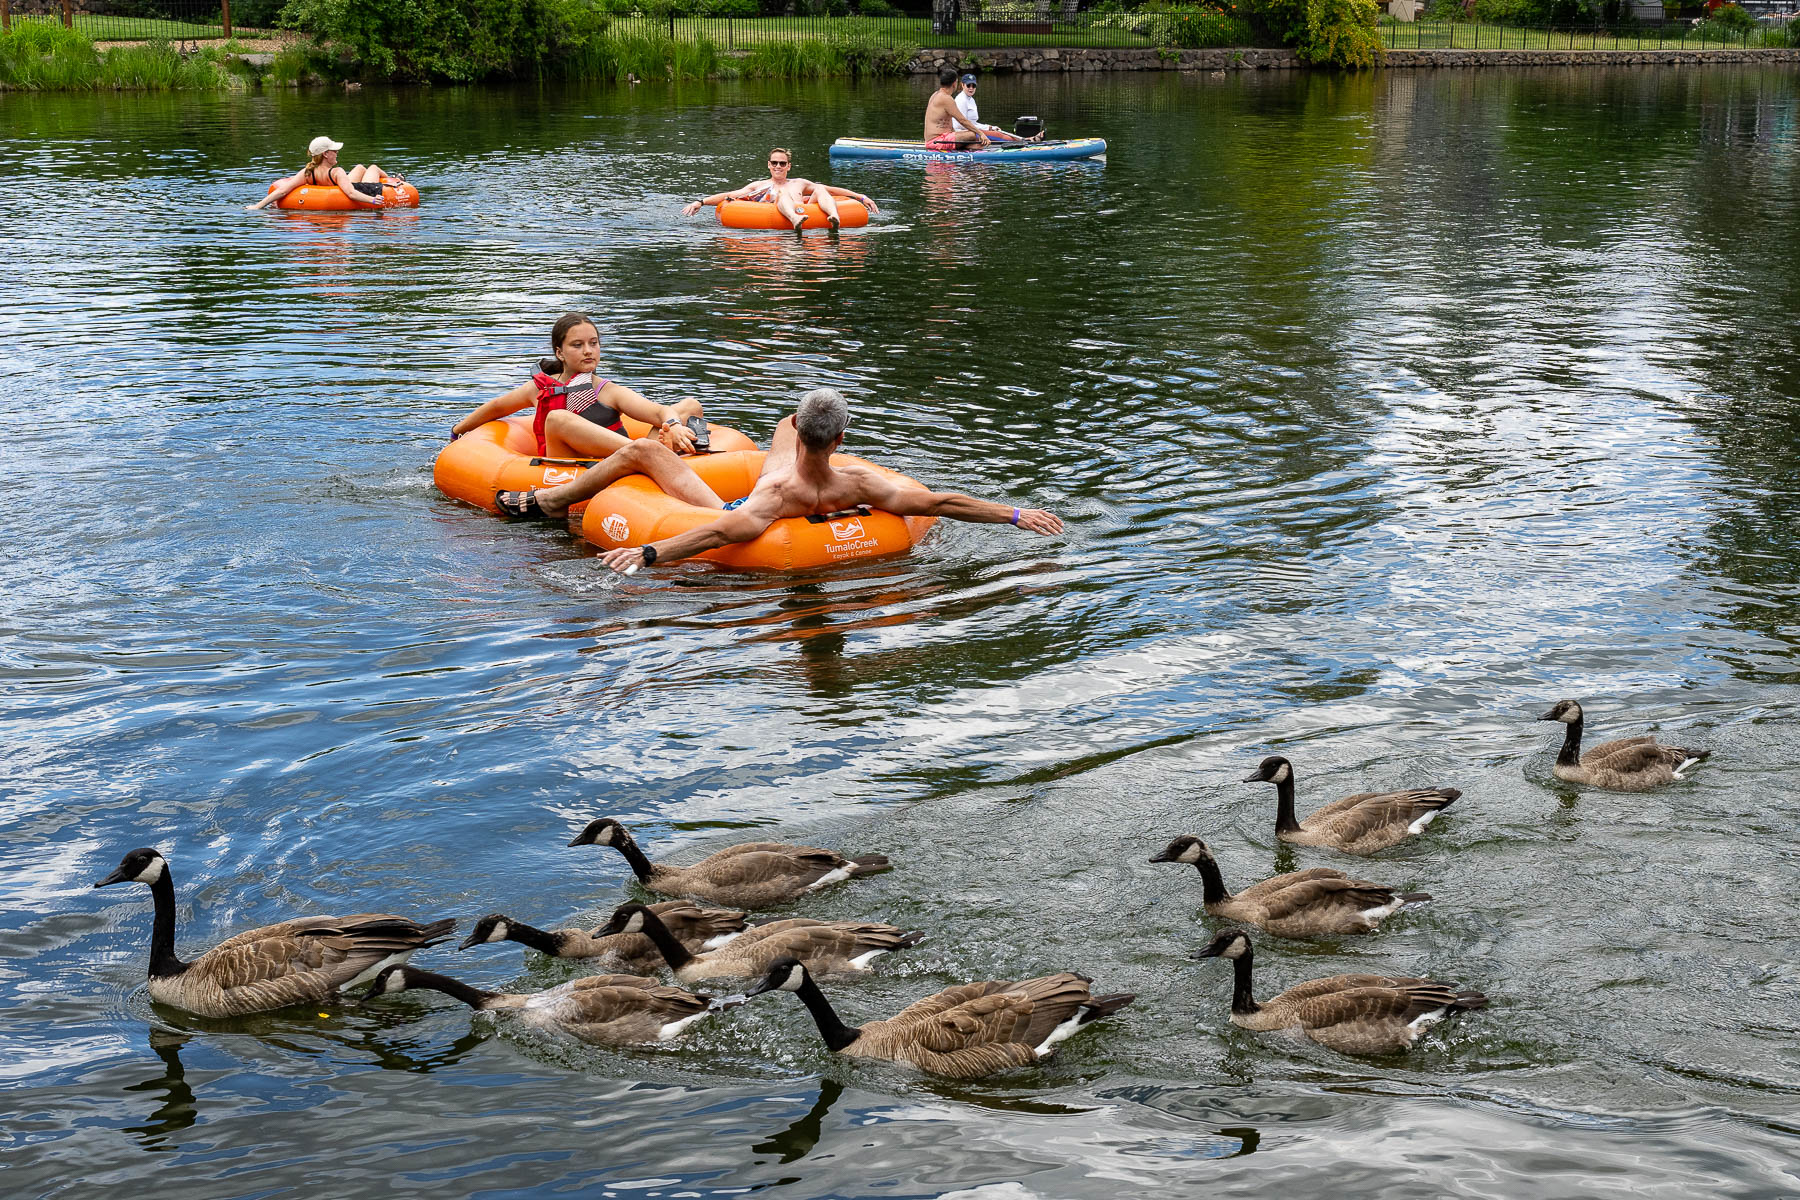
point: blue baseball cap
(968, 78)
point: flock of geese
(966, 1031)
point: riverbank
(1034, 59)
(47, 58)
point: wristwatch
(670, 421)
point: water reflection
(177, 1110)
(797, 1139)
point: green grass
(1448, 35)
(43, 56)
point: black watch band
(649, 555)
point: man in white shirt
(965, 104)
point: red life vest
(581, 396)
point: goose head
(391, 981)
(603, 832)
(1233, 943)
(495, 927)
(1566, 711)
(785, 974)
(1185, 849)
(1274, 769)
(627, 918)
(142, 865)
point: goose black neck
(532, 936)
(673, 952)
(837, 1035)
(163, 962)
(640, 866)
(474, 997)
(1212, 883)
(1284, 805)
(1241, 999)
(1570, 754)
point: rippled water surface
(1384, 412)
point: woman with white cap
(362, 184)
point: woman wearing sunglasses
(789, 195)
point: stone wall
(1414, 59)
(1035, 58)
(1031, 58)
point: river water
(1384, 412)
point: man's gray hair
(821, 418)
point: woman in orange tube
(578, 415)
(361, 184)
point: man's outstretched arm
(906, 501)
(744, 525)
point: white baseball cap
(322, 143)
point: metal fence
(907, 29)
(1672, 35)
(128, 20)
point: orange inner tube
(762, 214)
(502, 456)
(312, 197)
(634, 511)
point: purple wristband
(1015, 516)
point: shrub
(878, 8)
(1732, 16)
(729, 8)
(457, 40)
(1184, 28)
(256, 14)
(1335, 33)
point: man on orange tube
(788, 194)
(797, 480)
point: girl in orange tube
(578, 415)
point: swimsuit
(368, 187)
(735, 503)
(581, 396)
(947, 141)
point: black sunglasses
(778, 162)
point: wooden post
(225, 16)
(68, 15)
(5, 15)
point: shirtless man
(942, 117)
(790, 195)
(797, 480)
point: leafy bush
(1335, 33)
(729, 8)
(1732, 16)
(878, 8)
(256, 14)
(457, 40)
(1183, 28)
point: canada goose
(826, 947)
(751, 875)
(307, 961)
(692, 926)
(1298, 904)
(1352, 1014)
(962, 1032)
(1360, 824)
(1633, 764)
(607, 1010)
